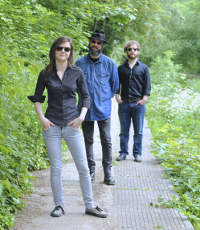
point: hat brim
(98, 39)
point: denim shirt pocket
(85, 73)
(103, 78)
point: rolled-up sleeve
(38, 97)
(83, 90)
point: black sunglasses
(134, 49)
(60, 48)
(94, 42)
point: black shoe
(138, 158)
(92, 175)
(121, 157)
(96, 212)
(58, 211)
(108, 179)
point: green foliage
(173, 117)
(194, 83)
(27, 30)
(177, 34)
(21, 146)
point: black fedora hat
(99, 35)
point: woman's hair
(128, 44)
(56, 43)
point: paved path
(127, 203)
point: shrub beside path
(127, 203)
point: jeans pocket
(75, 129)
(46, 129)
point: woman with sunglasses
(62, 120)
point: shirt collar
(68, 66)
(137, 62)
(89, 60)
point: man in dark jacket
(135, 86)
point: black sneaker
(92, 176)
(96, 212)
(121, 158)
(58, 211)
(108, 179)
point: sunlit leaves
(173, 116)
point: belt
(131, 99)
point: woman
(62, 120)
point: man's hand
(118, 99)
(143, 101)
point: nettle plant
(173, 116)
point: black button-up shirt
(135, 83)
(62, 94)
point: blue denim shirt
(103, 82)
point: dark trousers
(104, 130)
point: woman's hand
(76, 123)
(46, 123)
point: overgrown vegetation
(27, 30)
(173, 117)
(194, 84)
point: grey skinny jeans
(75, 142)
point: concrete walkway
(127, 203)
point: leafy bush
(173, 116)
(21, 145)
(194, 83)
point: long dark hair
(56, 43)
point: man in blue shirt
(103, 82)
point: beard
(95, 52)
(132, 57)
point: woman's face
(63, 52)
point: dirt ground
(37, 212)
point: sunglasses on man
(66, 49)
(98, 43)
(134, 49)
